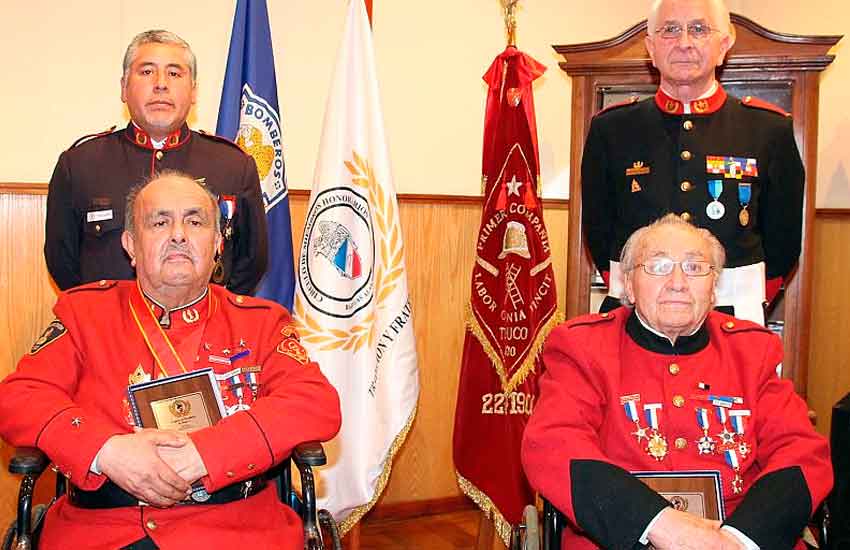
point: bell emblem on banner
(515, 241)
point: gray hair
(719, 16)
(638, 243)
(159, 36)
(130, 205)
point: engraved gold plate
(184, 413)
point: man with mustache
(130, 487)
(727, 164)
(667, 384)
(85, 201)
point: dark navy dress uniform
(88, 190)
(644, 159)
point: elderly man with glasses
(667, 384)
(730, 165)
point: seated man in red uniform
(68, 396)
(667, 384)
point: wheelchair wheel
(328, 525)
(532, 528)
(11, 535)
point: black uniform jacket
(646, 158)
(87, 193)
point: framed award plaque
(695, 492)
(185, 402)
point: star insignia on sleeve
(640, 433)
(76, 422)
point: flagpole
(509, 7)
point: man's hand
(676, 530)
(184, 460)
(131, 461)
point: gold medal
(744, 217)
(218, 272)
(139, 375)
(657, 446)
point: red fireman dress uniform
(726, 164)
(68, 396)
(580, 443)
(88, 191)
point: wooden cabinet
(780, 68)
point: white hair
(718, 16)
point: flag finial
(509, 7)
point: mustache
(179, 249)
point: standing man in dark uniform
(85, 201)
(726, 164)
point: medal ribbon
(732, 459)
(721, 414)
(702, 418)
(744, 194)
(715, 188)
(650, 411)
(631, 410)
(159, 344)
(738, 420)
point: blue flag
(250, 116)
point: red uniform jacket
(580, 442)
(68, 396)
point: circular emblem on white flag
(260, 136)
(338, 253)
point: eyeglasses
(697, 31)
(661, 267)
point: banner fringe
(490, 510)
(527, 366)
(358, 513)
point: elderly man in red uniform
(131, 486)
(667, 384)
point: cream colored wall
(63, 61)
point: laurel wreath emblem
(388, 270)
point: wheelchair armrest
(309, 453)
(28, 461)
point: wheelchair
(25, 530)
(528, 535)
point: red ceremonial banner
(513, 301)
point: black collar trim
(685, 345)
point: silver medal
(715, 210)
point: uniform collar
(702, 106)
(190, 313)
(650, 340)
(142, 139)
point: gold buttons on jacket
(685, 216)
(240, 299)
(673, 368)
(97, 228)
(730, 324)
(686, 186)
(681, 443)
(251, 466)
(230, 474)
(688, 125)
(150, 524)
(678, 401)
(686, 155)
(159, 155)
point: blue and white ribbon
(650, 411)
(631, 410)
(731, 458)
(702, 418)
(737, 418)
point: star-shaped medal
(743, 449)
(706, 445)
(726, 437)
(737, 484)
(657, 447)
(640, 433)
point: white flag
(351, 299)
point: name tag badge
(99, 215)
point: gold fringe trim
(358, 513)
(527, 366)
(503, 528)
